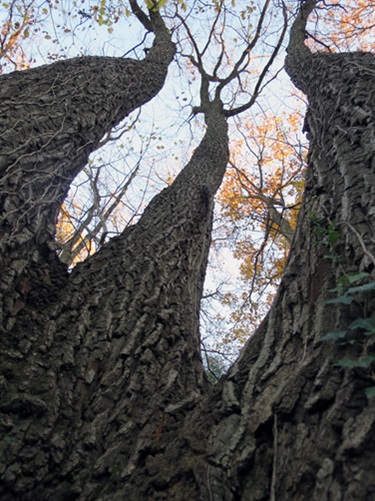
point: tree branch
(140, 15)
(297, 52)
(245, 54)
(257, 88)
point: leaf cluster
(361, 330)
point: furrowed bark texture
(104, 393)
(51, 119)
(116, 355)
(301, 428)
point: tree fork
(120, 346)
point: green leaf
(341, 300)
(370, 392)
(153, 5)
(332, 336)
(352, 279)
(333, 235)
(367, 324)
(333, 257)
(343, 281)
(370, 359)
(362, 288)
(348, 362)
(345, 362)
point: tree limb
(140, 15)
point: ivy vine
(351, 288)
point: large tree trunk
(300, 427)
(51, 119)
(105, 395)
(109, 353)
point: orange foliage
(70, 236)
(14, 29)
(344, 26)
(259, 204)
(260, 197)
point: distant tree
(15, 27)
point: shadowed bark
(302, 428)
(118, 346)
(105, 397)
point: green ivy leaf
(333, 235)
(367, 324)
(332, 257)
(348, 362)
(341, 300)
(352, 279)
(370, 392)
(362, 288)
(346, 280)
(333, 336)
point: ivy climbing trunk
(103, 392)
(297, 426)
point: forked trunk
(105, 397)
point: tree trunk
(105, 395)
(51, 119)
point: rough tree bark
(105, 397)
(51, 119)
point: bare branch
(245, 54)
(140, 15)
(258, 87)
